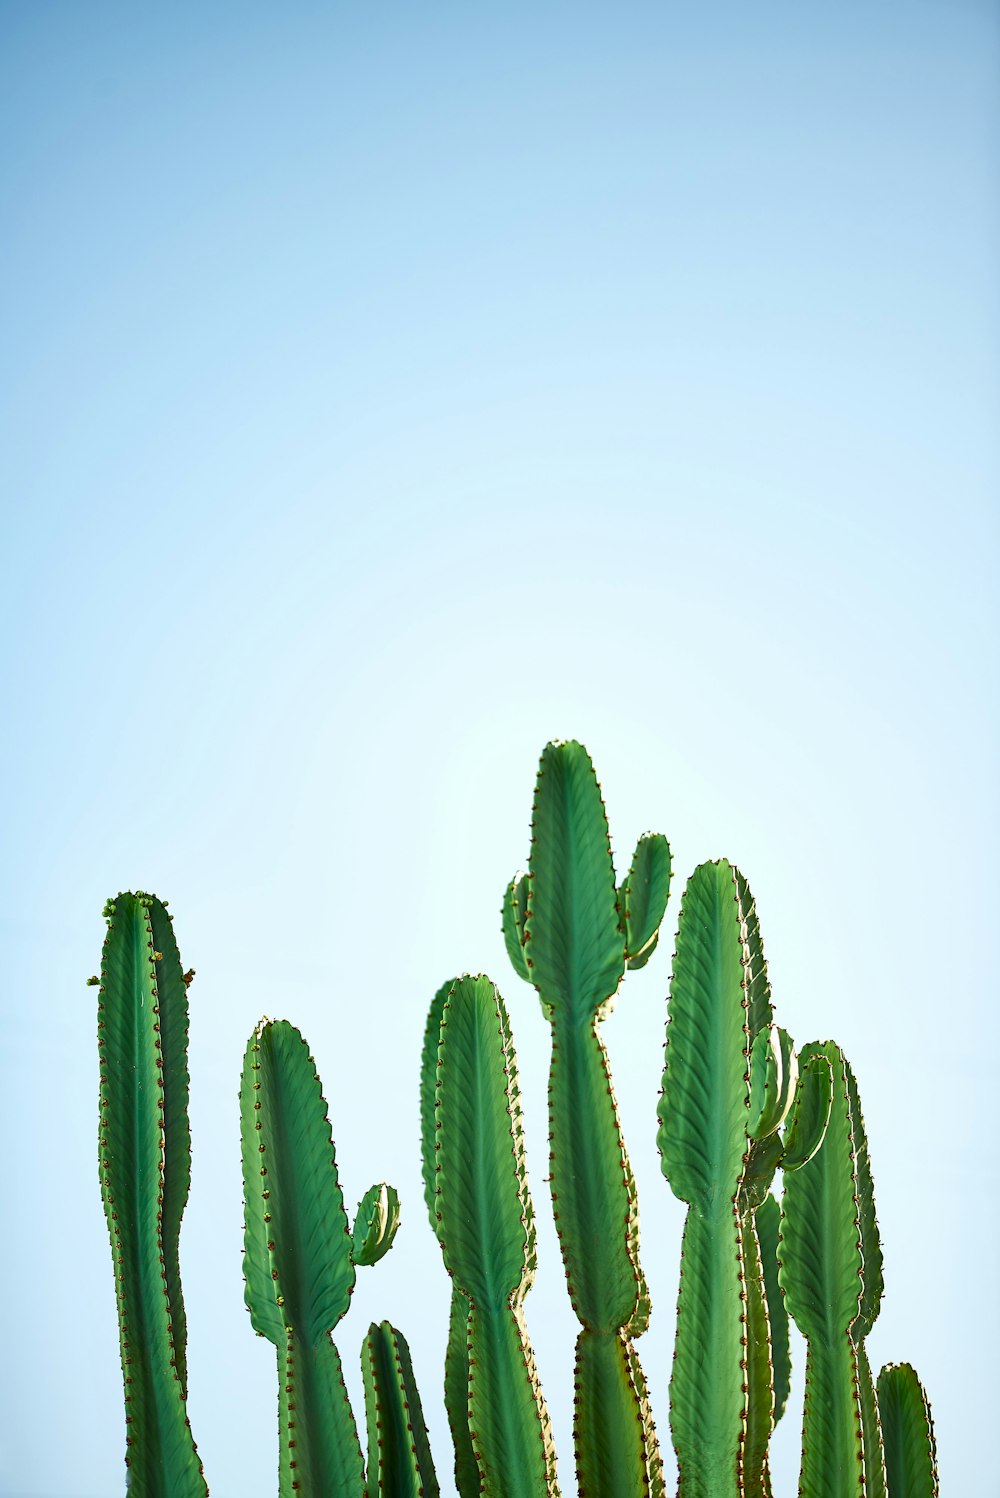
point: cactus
(572, 934)
(485, 1225)
(730, 1079)
(145, 1169)
(298, 1263)
(908, 1434)
(831, 1273)
(737, 1105)
(399, 1452)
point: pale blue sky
(384, 391)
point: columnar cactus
(484, 1221)
(730, 1080)
(299, 1260)
(571, 933)
(831, 1274)
(145, 1168)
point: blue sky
(385, 391)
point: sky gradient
(383, 392)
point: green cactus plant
(572, 934)
(483, 1217)
(145, 1169)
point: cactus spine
(485, 1225)
(831, 1273)
(298, 1261)
(145, 1168)
(571, 933)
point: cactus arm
(456, 1395)
(703, 1106)
(399, 1453)
(871, 1428)
(810, 1113)
(145, 1170)
(755, 1470)
(872, 1284)
(768, 1093)
(820, 1251)
(485, 1225)
(483, 1216)
(428, 1084)
(760, 1014)
(768, 1218)
(297, 1262)
(456, 1366)
(376, 1224)
(515, 909)
(172, 991)
(574, 947)
(643, 897)
(908, 1432)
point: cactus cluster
(739, 1110)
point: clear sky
(385, 390)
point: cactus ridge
(145, 1162)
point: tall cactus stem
(572, 933)
(145, 1163)
(484, 1222)
(298, 1260)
